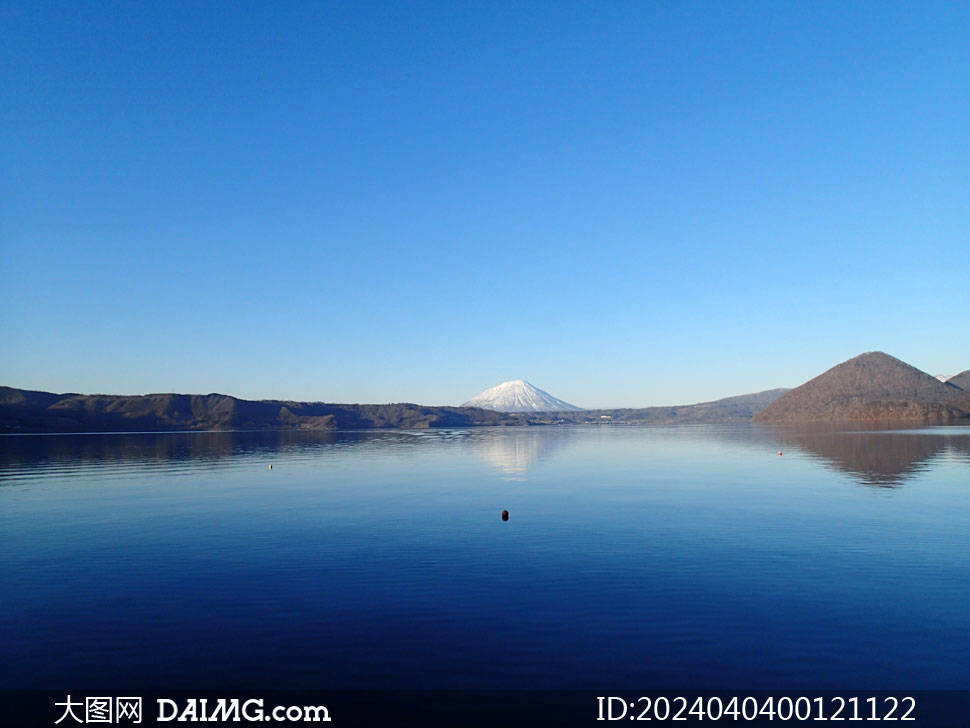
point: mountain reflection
(511, 450)
(878, 458)
(31, 450)
(515, 450)
(875, 457)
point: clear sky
(626, 203)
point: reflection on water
(883, 458)
(660, 556)
(36, 450)
(515, 450)
(512, 451)
(874, 457)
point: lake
(632, 556)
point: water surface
(645, 557)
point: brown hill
(871, 386)
(961, 380)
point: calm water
(646, 557)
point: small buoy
(505, 515)
(779, 452)
(271, 464)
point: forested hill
(872, 386)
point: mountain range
(870, 387)
(30, 411)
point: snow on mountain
(518, 396)
(942, 377)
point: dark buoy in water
(505, 515)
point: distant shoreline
(36, 412)
(872, 387)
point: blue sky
(624, 203)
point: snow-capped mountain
(518, 396)
(942, 377)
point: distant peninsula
(870, 387)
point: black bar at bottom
(483, 708)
